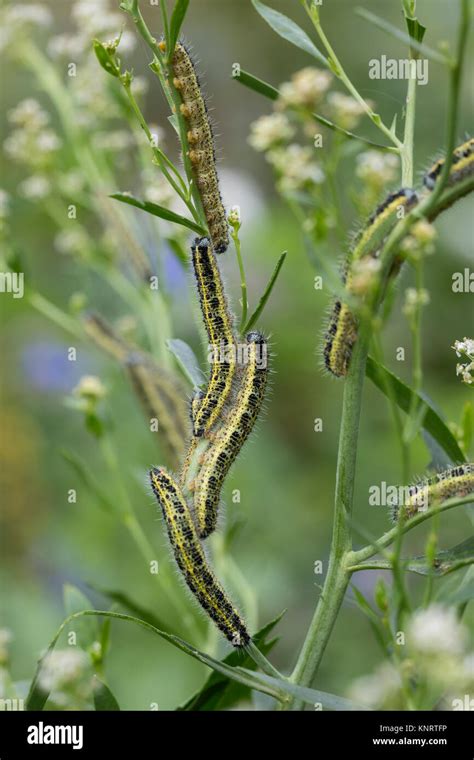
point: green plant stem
(337, 577)
(356, 557)
(243, 281)
(336, 66)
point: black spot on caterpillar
(462, 165)
(191, 560)
(160, 393)
(457, 482)
(232, 435)
(342, 330)
(218, 324)
(201, 145)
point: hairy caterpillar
(201, 145)
(230, 438)
(191, 559)
(342, 330)
(218, 323)
(456, 482)
(160, 393)
(462, 165)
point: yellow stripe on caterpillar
(462, 165)
(202, 152)
(341, 333)
(457, 482)
(192, 562)
(218, 324)
(230, 438)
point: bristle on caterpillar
(462, 165)
(341, 333)
(201, 145)
(232, 435)
(218, 324)
(457, 482)
(192, 562)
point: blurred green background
(286, 473)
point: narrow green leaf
(467, 425)
(402, 394)
(187, 360)
(266, 294)
(256, 84)
(84, 474)
(104, 700)
(415, 29)
(290, 31)
(394, 31)
(270, 92)
(217, 686)
(446, 561)
(125, 601)
(161, 211)
(87, 631)
(177, 18)
(106, 59)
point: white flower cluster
(66, 675)
(414, 300)
(465, 349)
(33, 143)
(376, 169)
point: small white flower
(306, 88)
(296, 167)
(90, 387)
(465, 349)
(70, 242)
(234, 215)
(376, 169)
(344, 110)
(62, 668)
(35, 187)
(269, 131)
(436, 630)
(34, 14)
(377, 689)
(28, 113)
(415, 299)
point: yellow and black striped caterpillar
(342, 330)
(201, 145)
(161, 394)
(457, 482)
(230, 438)
(192, 562)
(462, 165)
(218, 323)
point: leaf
(106, 59)
(258, 85)
(187, 360)
(287, 29)
(216, 685)
(104, 700)
(402, 394)
(82, 471)
(177, 18)
(120, 597)
(87, 631)
(415, 29)
(394, 31)
(274, 687)
(174, 123)
(161, 211)
(467, 425)
(266, 293)
(446, 561)
(453, 592)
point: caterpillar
(456, 482)
(160, 393)
(342, 331)
(462, 165)
(201, 145)
(218, 324)
(231, 437)
(191, 560)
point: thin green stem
(337, 68)
(243, 281)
